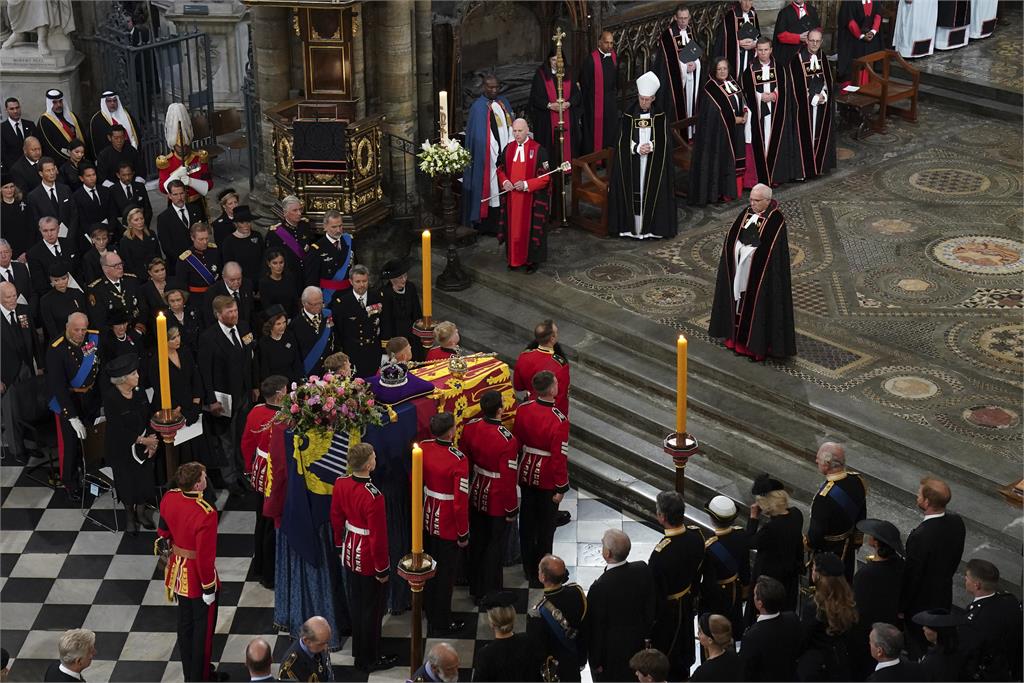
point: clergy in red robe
(599, 75)
(859, 23)
(524, 206)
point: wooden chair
(884, 89)
(590, 177)
(201, 131)
(683, 152)
(227, 128)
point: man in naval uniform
(58, 127)
(553, 624)
(725, 577)
(330, 258)
(836, 509)
(307, 659)
(190, 167)
(292, 237)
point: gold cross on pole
(559, 34)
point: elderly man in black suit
(17, 274)
(49, 250)
(934, 549)
(232, 284)
(357, 322)
(227, 371)
(13, 132)
(77, 648)
(771, 644)
(25, 170)
(17, 362)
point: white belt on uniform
(535, 451)
(356, 530)
(486, 473)
(438, 496)
(262, 453)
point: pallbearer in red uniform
(361, 537)
(543, 433)
(255, 449)
(187, 536)
(543, 353)
(446, 519)
(190, 167)
(524, 207)
(494, 455)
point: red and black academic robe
(719, 149)
(788, 26)
(652, 197)
(855, 20)
(817, 151)
(599, 77)
(775, 163)
(523, 214)
(728, 36)
(761, 323)
(545, 121)
(672, 74)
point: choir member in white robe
(954, 24)
(914, 35)
(983, 18)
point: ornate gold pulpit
(352, 185)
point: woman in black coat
(278, 287)
(721, 663)
(776, 533)
(828, 624)
(184, 318)
(153, 292)
(15, 220)
(945, 659)
(402, 306)
(130, 444)
(138, 247)
(186, 389)
(277, 349)
(876, 587)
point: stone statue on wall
(44, 17)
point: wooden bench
(590, 177)
(682, 154)
(884, 90)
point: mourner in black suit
(48, 251)
(17, 361)
(621, 610)
(771, 644)
(26, 169)
(173, 224)
(885, 642)
(992, 636)
(934, 549)
(231, 284)
(876, 587)
(357, 313)
(53, 198)
(57, 304)
(92, 201)
(13, 132)
(127, 193)
(17, 274)
(226, 367)
(76, 648)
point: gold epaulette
(207, 508)
(57, 342)
(92, 331)
(185, 254)
(162, 162)
(96, 282)
(129, 275)
(211, 245)
(314, 245)
(662, 543)
(708, 542)
(203, 155)
(826, 488)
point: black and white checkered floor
(60, 571)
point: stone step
(970, 103)
(982, 92)
(624, 426)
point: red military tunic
(543, 432)
(438, 353)
(255, 445)
(520, 205)
(191, 525)
(532, 361)
(360, 526)
(445, 491)
(494, 454)
(198, 166)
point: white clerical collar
(766, 617)
(982, 597)
(613, 565)
(886, 665)
(603, 53)
(74, 674)
(935, 515)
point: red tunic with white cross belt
(493, 453)
(445, 491)
(360, 526)
(543, 432)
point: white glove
(185, 180)
(178, 173)
(199, 185)
(209, 598)
(79, 428)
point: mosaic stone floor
(907, 269)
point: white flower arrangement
(443, 158)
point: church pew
(590, 174)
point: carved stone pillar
(427, 118)
(395, 54)
(225, 25)
(271, 27)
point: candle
(427, 302)
(443, 114)
(680, 386)
(417, 499)
(161, 353)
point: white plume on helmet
(177, 125)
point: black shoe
(531, 268)
(563, 518)
(73, 494)
(450, 629)
(384, 662)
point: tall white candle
(443, 116)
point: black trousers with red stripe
(196, 623)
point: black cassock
(763, 325)
(788, 23)
(398, 314)
(815, 133)
(603, 104)
(544, 122)
(654, 200)
(734, 27)
(776, 163)
(127, 420)
(719, 149)
(851, 46)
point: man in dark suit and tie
(226, 370)
(259, 660)
(17, 274)
(17, 362)
(357, 322)
(231, 284)
(25, 170)
(45, 253)
(771, 644)
(934, 549)
(92, 201)
(53, 198)
(127, 193)
(173, 224)
(76, 648)
(886, 643)
(13, 132)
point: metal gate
(149, 73)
